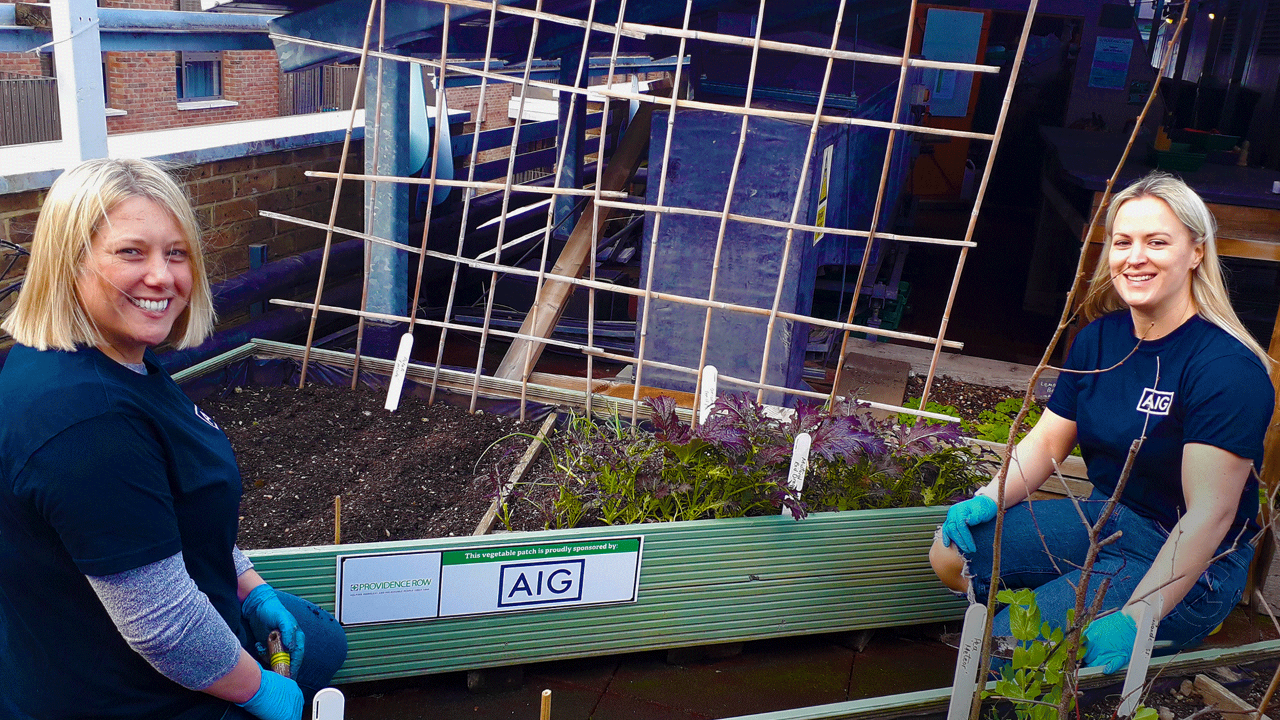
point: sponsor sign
(392, 587)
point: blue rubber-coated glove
(974, 511)
(265, 613)
(1109, 641)
(278, 698)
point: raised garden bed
(701, 582)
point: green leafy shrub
(992, 425)
(735, 464)
(1034, 680)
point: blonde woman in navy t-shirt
(122, 591)
(1165, 358)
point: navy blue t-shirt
(1195, 385)
(103, 470)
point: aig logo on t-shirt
(201, 414)
(1154, 402)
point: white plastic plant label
(397, 374)
(965, 682)
(707, 398)
(799, 466)
(1140, 659)
(328, 704)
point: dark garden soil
(968, 398)
(423, 471)
(403, 475)
(1178, 697)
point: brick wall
(144, 85)
(497, 95)
(21, 63)
(227, 196)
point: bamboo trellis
(604, 203)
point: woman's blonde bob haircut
(1208, 287)
(49, 313)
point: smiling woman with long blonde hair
(1165, 360)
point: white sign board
(391, 587)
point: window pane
(202, 80)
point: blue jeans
(1050, 566)
(326, 650)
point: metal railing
(318, 89)
(28, 109)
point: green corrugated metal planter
(702, 582)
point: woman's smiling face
(1152, 256)
(136, 280)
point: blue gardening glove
(974, 511)
(1109, 641)
(265, 613)
(278, 698)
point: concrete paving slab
(896, 664)
(768, 675)
(593, 674)
(444, 697)
(613, 707)
(875, 379)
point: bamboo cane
(981, 194)
(728, 202)
(647, 300)
(373, 191)
(545, 713)
(635, 292)
(782, 224)
(466, 203)
(545, 17)
(337, 191)
(795, 206)
(337, 512)
(506, 200)
(569, 126)
(658, 99)
(597, 194)
(473, 184)
(880, 192)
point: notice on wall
(394, 587)
(1110, 67)
(824, 190)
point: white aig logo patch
(201, 414)
(1155, 402)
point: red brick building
(144, 88)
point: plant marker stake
(397, 374)
(710, 376)
(965, 682)
(1140, 659)
(328, 704)
(799, 466)
(275, 650)
(546, 706)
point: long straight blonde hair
(1208, 287)
(49, 313)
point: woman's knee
(949, 565)
(326, 641)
